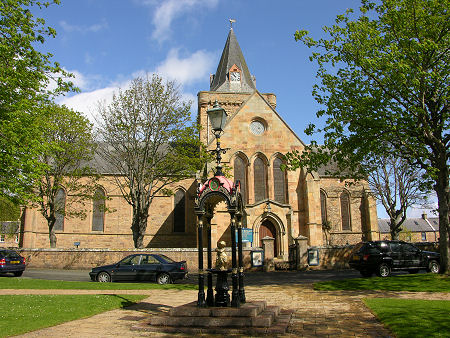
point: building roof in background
(412, 224)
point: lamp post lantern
(217, 117)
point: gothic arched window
(179, 211)
(98, 210)
(60, 206)
(345, 211)
(323, 206)
(279, 181)
(240, 173)
(259, 176)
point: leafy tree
(146, 140)
(9, 211)
(385, 88)
(397, 186)
(68, 148)
(25, 76)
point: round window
(257, 127)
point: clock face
(257, 127)
(235, 76)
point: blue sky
(107, 43)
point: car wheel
(103, 277)
(383, 270)
(163, 278)
(18, 273)
(433, 267)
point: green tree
(68, 148)
(25, 78)
(147, 141)
(9, 211)
(384, 83)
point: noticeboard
(247, 235)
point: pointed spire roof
(232, 56)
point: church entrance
(268, 229)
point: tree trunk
(394, 227)
(51, 232)
(138, 226)
(443, 195)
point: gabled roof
(232, 55)
(412, 224)
(258, 94)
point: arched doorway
(268, 229)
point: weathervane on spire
(231, 23)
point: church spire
(232, 74)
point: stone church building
(279, 204)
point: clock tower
(231, 86)
(232, 74)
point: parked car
(141, 267)
(381, 257)
(11, 262)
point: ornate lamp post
(218, 117)
(219, 188)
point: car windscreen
(369, 248)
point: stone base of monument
(250, 318)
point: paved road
(251, 278)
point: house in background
(9, 234)
(282, 205)
(424, 229)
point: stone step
(268, 320)
(251, 309)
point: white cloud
(87, 102)
(83, 29)
(184, 71)
(188, 70)
(168, 10)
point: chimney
(424, 215)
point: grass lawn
(24, 313)
(425, 282)
(412, 318)
(25, 283)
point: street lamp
(217, 117)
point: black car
(381, 257)
(11, 262)
(141, 267)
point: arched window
(259, 179)
(179, 211)
(323, 206)
(279, 181)
(60, 206)
(345, 211)
(240, 173)
(98, 210)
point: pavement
(316, 313)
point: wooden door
(268, 229)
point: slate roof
(9, 227)
(412, 224)
(232, 55)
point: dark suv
(381, 257)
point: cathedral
(280, 204)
